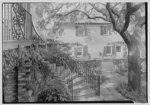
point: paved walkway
(107, 89)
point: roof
(75, 44)
(87, 21)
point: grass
(134, 96)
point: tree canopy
(121, 15)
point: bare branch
(115, 13)
(112, 18)
(141, 21)
(100, 3)
(88, 16)
(130, 10)
(135, 8)
(98, 10)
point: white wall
(119, 55)
(94, 40)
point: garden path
(107, 89)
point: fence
(86, 69)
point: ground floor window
(118, 49)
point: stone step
(92, 98)
(70, 77)
(78, 81)
(10, 93)
(83, 92)
(83, 86)
(61, 70)
(10, 89)
(65, 73)
(83, 97)
(21, 84)
(75, 76)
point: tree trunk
(134, 68)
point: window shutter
(113, 50)
(101, 28)
(75, 52)
(81, 30)
(85, 50)
(104, 53)
(77, 34)
(85, 31)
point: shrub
(39, 72)
(142, 98)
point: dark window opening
(118, 49)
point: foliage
(41, 74)
(85, 69)
(52, 95)
(10, 60)
(142, 98)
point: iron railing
(86, 70)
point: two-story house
(94, 34)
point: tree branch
(135, 8)
(112, 18)
(115, 13)
(88, 16)
(98, 10)
(130, 10)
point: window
(79, 51)
(80, 30)
(103, 30)
(108, 49)
(118, 49)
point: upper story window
(107, 50)
(118, 49)
(81, 30)
(104, 30)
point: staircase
(79, 89)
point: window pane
(79, 51)
(80, 30)
(103, 30)
(118, 49)
(108, 49)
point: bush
(52, 95)
(40, 72)
(134, 96)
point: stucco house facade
(93, 34)
(100, 38)
(115, 50)
(118, 50)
